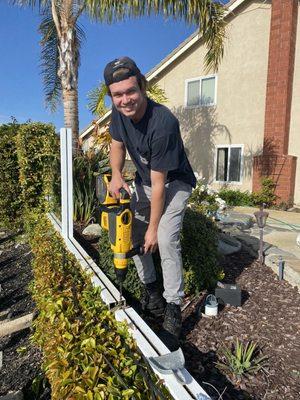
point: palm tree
(61, 38)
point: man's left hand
(150, 244)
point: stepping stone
(93, 230)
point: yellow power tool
(116, 218)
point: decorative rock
(228, 245)
(93, 230)
(1, 359)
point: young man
(164, 180)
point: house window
(228, 163)
(201, 91)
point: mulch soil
(21, 359)
(269, 316)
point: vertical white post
(66, 183)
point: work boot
(173, 321)
(152, 299)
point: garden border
(147, 341)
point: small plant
(241, 359)
(267, 193)
(22, 349)
(85, 167)
(206, 200)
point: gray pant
(177, 194)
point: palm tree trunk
(70, 103)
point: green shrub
(11, 204)
(87, 354)
(266, 194)
(38, 152)
(236, 197)
(199, 252)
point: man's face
(128, 98)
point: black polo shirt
(154, 143)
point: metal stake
(261, 219)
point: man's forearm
(157, 205)
(117, 159)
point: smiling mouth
(130, 108)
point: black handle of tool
(138, 250)
(124, 195)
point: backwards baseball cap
(113, 66)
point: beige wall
(294, 144)
(238, 117)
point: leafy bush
(38, 152)
(11, 204)
(241, 359)
(199, 252)
(267, 193)
(87, 354)
(236, 197)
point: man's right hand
(116, 183)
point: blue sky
(147, 40)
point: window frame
(200, 79)
(229, 147)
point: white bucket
(211, 305)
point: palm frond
(50, 62)
(41, 4)
(156, 93)
(207, 14)
(50, 59)
(96, 99)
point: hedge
(11, 203)
(38, 154)
(29, 155)
(87, 354)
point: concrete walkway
(280, 236)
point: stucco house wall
(294, 144)
(238, 117)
